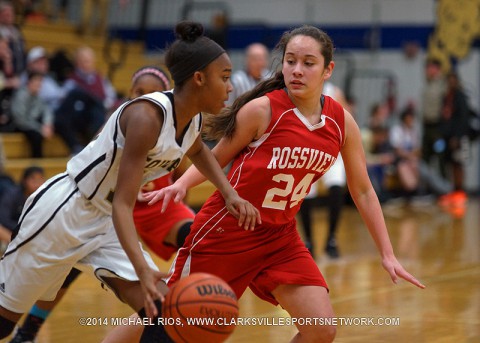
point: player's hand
(248, 216)
(175, 192)
(149, 279)
(395, 269)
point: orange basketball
(200, 308)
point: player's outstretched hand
(248, 216)
(175, 192)
(395, 269)
(149, 279)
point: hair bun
(188, 31)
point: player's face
(146, 84)
(217, 84)
(303, 66)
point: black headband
(197, 60)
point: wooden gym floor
(443, 252)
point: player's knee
(329, 333)
(319, 333)
(6, 327)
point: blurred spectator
(380, 116)
(378, 150)
(432, 96)
(405, 140)
(89, 99)
(256, 64)
(13, 198)
(5, 180)
(12, 34)
(50, 91)
(86, 77)
(380, 158)
(31, 115)
(8, 83)
(454, 130)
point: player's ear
(199, 78)
(328, 70)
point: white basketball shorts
(59, 229)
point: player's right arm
(141, 124)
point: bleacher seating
(62, 36)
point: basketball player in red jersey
(163, 233)
(282, 136)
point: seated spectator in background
(9, 82)
(380, 116)
(13, 35)
(86, 77)
(380, 157)
(378, 150)
(89, 99)
(31, 115)
(405, 140)
(51, 91)
(256, 64)
(13, 198)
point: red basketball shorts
(261, 259)
(153, 225)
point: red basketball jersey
(275, 172)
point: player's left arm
(366, 200)
(205, 162)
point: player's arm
(366, 200)
(141, 124)
(205, 162)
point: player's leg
(125, 333)
(292, 279)
(335, 205)
(131, 293)
(8, 319)
(132, 333)
(24, 277)
(335, 180)
(307, 302)
(175, 236)
(40, 312)
(306, 215)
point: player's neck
(309, 107)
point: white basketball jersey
(95, 168)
